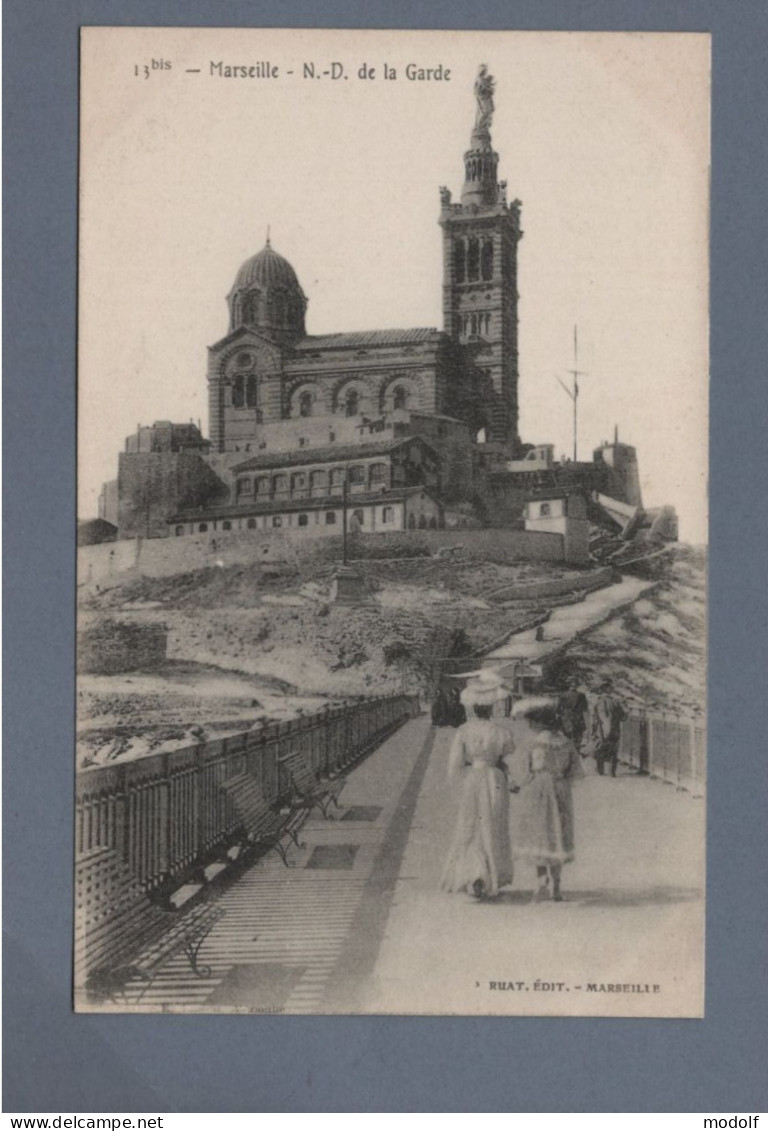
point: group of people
(538, 766)
(448, 709)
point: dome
(266, 296)
(266, 269)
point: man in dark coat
(572, 710)
(607, 718)
(456, 712)
(440, 710)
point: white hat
(532, 703)
(484, 689)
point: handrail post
(122, 816)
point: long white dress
(544, 832)
(480, 847)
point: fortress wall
(161, 557)
(558, 587)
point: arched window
(459, 261)
(358, 517)
(280, 484)
(251, 391)
(387, 515)
(238, 392)
(305, 404)
(244, 487)
(473, 330)
(481, 436)
(303, 519)
(487, 264)
(378, 475)
(179, 530)
(251, 524)
(252, 308)
(473, 260)
(338, 476)
(545, 510)
(352, 402)
(277, 520)
(433, 523)
(357, 476)
(299, 483)
(319, 482)
(411, 521)
(226, 524)
(422, 522)
(202, 528)
(279, 308)
(400, 397)
(263, 487)
(330, 518)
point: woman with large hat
(544, 834)
(480, 860)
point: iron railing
(167, 813)
(671, 747)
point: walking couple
(491, 766)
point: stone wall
(152, 485)
(161, 557)
(111, 646)
(533, 590)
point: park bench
(266, 827)
(318, 794)
(122, 938)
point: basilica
(414, 427)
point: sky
(604, 137)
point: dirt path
(568, 621)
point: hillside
(655, 651)
(247, 643)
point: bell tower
(480, 237)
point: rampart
(557, 587)
(162, 557)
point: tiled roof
(362, 339)
(280, 506)
(330, 453)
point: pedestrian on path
(440, 709)
(607, 717)
(456, 711)
(544, 834)
(573, 710)
(480, 859)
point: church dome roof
(266, 269)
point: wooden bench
(319, 794)
(266, 827)
(122, 938)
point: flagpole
(575, 395)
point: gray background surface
(58, 1062)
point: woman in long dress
(544, 833)
(480, 859)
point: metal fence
(670, 747)
(167, 813)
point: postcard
(392, 522)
